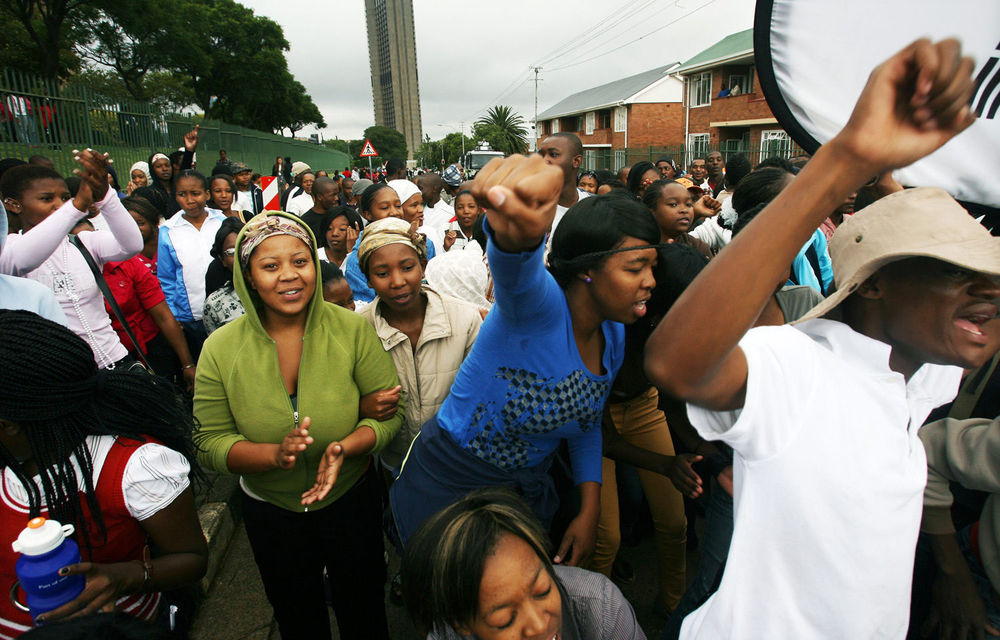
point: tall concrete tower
(392, 54)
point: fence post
(86, 117)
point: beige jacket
(425, 373)
(966, 452)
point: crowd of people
(467, 369)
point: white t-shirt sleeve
(782, 377)
(154, 476)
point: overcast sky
(473, 54)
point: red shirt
(136, 290)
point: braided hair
(51, 388)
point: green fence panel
(49, 118)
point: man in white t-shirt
(823, 416)
(248, 195)
(565, 151)
(437, 212)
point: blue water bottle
(45, 548)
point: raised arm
(122, 240)
(913, 103)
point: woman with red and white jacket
(106, 450)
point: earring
(587, 279)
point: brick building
(643, 110)
(725, 108)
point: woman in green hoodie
(277, 398)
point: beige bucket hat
(922, 222)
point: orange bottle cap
(36, 523)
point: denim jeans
(711, 563)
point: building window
(591, 120)
(589, 159)
(775, 143)
(621, 118)
(698, 144)
(700, 90)
(604, 119)
(555, 125)
(619, 159)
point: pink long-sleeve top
(44, 254)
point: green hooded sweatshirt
(240, 395)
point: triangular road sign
(368, 151)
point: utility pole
(462, 125)
(534, 135)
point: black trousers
(291, 549)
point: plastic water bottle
(45, 549)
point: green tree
(41, 33)
(387, 141)
(164, 89)
(503, 129)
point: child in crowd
(336, 290)
(466, 213)
(184, 254)
(427, 334)
(828, 490)
(674, 209)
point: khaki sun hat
(922, 222)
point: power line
(622, 46)
(602, 26)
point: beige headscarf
(262, 226)
(388, 231)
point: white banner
(814, 57)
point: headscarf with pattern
(385, 232)
(262, 226)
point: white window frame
(620, 159)
(589, 123)
(775, 135)
(555, 125)
(589, 159)
(621, 119)
(697, 147)
(742, 81)
(700, 90)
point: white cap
(41, 536)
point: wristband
(187, 366)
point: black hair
(737, 168)
(59, 405)
(462, 192)
(594, 225)
(575, 146)
(322, 181)
(330, 273)
(651, 197)
(156, 197)
(592, 174)
(219, 176)
(228, 226)
(191, 173)
(369, 195)
(353, 219)
(40, 160)
(10, 163)
(114, 178)
(777, 162)
(18, 179)
(116, 625)
(394, 165)
(635, 176)
(606, 177)
(676, 267)
(222, 169)
(73, 185)
(442, 566)
(176, 157)
(759, 187)
(479, 232)
(143, 207)
(744, 218)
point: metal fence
(49, 118)
(615, 159)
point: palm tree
(504, 130)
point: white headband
(157, 156)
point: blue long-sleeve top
(814, 255)
(524, 387)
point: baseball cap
(452, 176)
(922, 222)
(360, 186)
(240, 167)
(688, 183)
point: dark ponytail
(52, 389)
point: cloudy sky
(472, 54)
